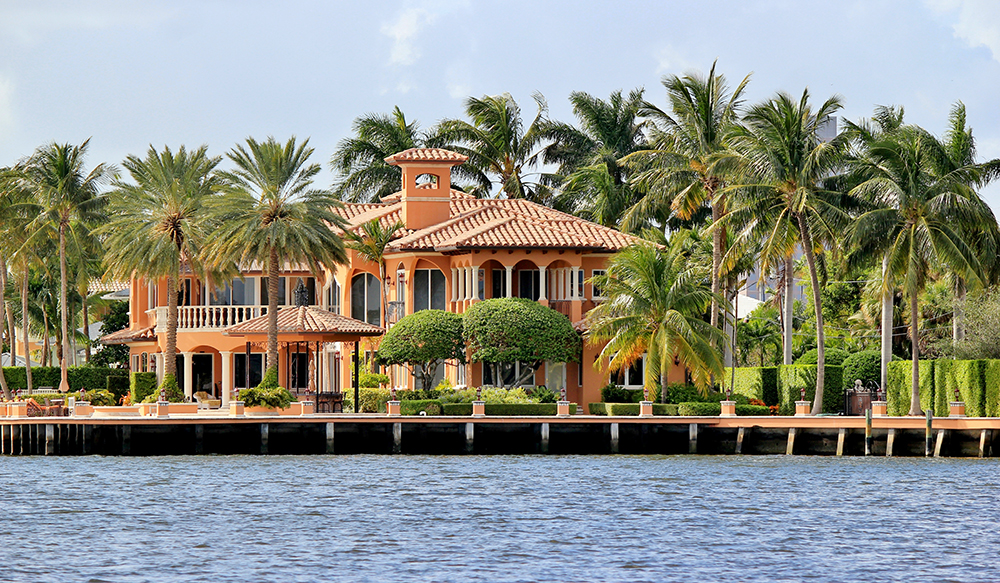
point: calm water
(531, 518)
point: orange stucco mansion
(455, 250)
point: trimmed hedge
(118, 386)
(791, 379)
(834, 357)
(865, 365)
(97, 398)
(715, 409)
(507, 409)
(755, 383)
(141, 385)
(900, 386)
(79, 377)
(414, 407)
(967, 376)
(991, 385)
(632, 409)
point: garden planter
(645, 408)
(236, 409)
(562, 409)
(479, 408)
(82, 409)
(116, 411)
(802, 408)
(261, 411)
(162, 408)
(956, 409)
(728, 408)
(17, 409)
(393, 408)
(880, 409)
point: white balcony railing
(205, 317)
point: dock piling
(740, 434)
(50, 439)
(939, 442)
(929, 434)
(397, 437)
(869, 440)
(5, 439)
(614, 438)
(87, 432)
(329, 438)
(545, 437)
(126, 439)
(841, 435)
(470, 434)
(790, 447)
(199, 439)
(982, 443)
(693, 438)
(890, 442)
(264, 431)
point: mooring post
(545, 438)
(397, 437)
(264, 431)
(869, 440)
(614, 438)
(470, 434)
(890, 442)
(87, 431)
(939, 442)
(329, 438)
(929, 434)
(199, 439)
(740, 434)
(5, 440)
(50, 439)
(126, 439)
(982, 443)
(790, 446)
(841, 436)
(16, 441)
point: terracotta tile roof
(427, 155)
(426, 186)
(126, 336)
(581, 325)
(99, 286)
(306, 320)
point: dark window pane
(374, 303)
(635, 373)
(499, 283)
(358, 297)
(239, 292)
(421, 297)
(311, 287)
(437, 290)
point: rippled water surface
(530, 518)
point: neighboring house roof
(306, 320)
(427, 155)
(126, 336)
(98, 285)
(476, 223)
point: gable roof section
(305, 320)
(427, 155)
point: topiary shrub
(372, 380)
(715, 409)
(142, 385)
(900, 386)
(967, 377)
(597, 408)
(792, 378)
(424, 340)
(632, 409)
(373, 400)
(414, 407)
(834, 357)
(865, 365)
(759, 383)
(991, 384)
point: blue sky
(132, 73)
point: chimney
(429, 203)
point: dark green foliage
(681, 393)
(80, 377)
(543, 394)
(142, 385)
(632, 409)
(755, 383)
(259, 396)
(373, 400)
(507, 409)
(112, 355)
(715, 409)
(900, 381)
(424, 338)
(458, 409)
(97, 398)
(834, 357)
(865, 365)
(505, 330)
(118, 386)
(991, 383)
(372, 380)
(270, 379)
(169, 389)
(597, 408)
(969, 377)
(612, 393)
(418, 395)
(792, 378)
(414, 407)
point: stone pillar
(541, 283)
(510, 280)
(468, 284)
(227, 377)
(454, 285)
(188, 374)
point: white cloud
(403, 32)
(977, 22)
(670, 60)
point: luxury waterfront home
(454, 251)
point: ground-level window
(365, 300)
(632, 376)
(528, 284)
(499, 283)
(509, 372)
(428, 290)
(240, 370)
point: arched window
(365, 299)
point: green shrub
(117, 386)
(699, 409)
(900, 386)
(834, 357)
(457, 409)
(507, 409)
(418, 395)
(612, 393)
(414, 407)
(681, 393)
(270, 379)
(373, 400)
(991, 384)
(632, 409)
(759, 383)
(792, 378)
(967, 376)
(169, 387)
(597, 408)
(91, 377)
(752, 410)
(543, 394)
(97, 398)
(141, 385)
(372, 380)
(79, 377)
(865, 365)
(273, 397)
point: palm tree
(10, 198)
(656, 300)
(682, 171)
(363, 174)
(782, 166)
(159, 223)
(919, 221)
(270, 214)
(498, 145)
(68, 202)
(370, 241)
(596, 185)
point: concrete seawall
(378, 434)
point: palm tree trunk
(915, 355)
(170, 350)
(716, 261)
(788, 309)
(818, 306)
(958, 320)
(24, 329)
(86, 325)
(272, 309)
(3, 318)
(887, 312)
(63, 313)
(385, 295)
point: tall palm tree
(656, 299)
(68, 203)
(682, 171)
(159, 223)
(10, 199)
(782, 165)
(359, 162)
(370, 241)
(499, 146)
(919, 221)
(270, 214)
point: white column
(454, 284)
(470, 291)
(188, 374)
(510, 280)
(572, 283)
(541, 282)
(227, 377)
